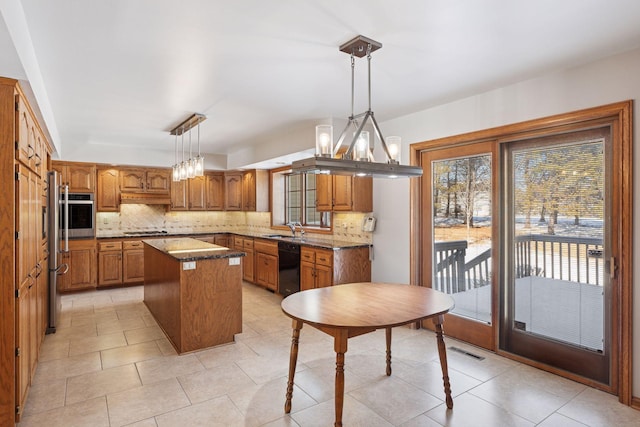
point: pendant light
(183, 166)
(358, 158)
(190, 162)
(199, 160)
(193, 166)
(176, 168)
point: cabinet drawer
(307, 254)
(134, 244)
(247, 244)
(237, 243)
(266, 247)
(109, 246)
(324, 258)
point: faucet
(292, 226)
(301, 229)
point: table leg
(293, 359)
(388, 335)
(442, 352)
(340, 346)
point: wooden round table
(346, 311)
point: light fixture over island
(194, 291)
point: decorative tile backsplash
(132, 217)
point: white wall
(610, 80)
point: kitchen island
(194, 291)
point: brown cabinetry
(108, 191)
(233, 191)
(109, 263)
(31, 146)
(222, 240)
(142, 180)
(179, 196)
(132, 262)
(80, 177)
(248, 263)
(255, 191)
(196, 193)
(344, 193)
(82, 262)
(315, 268)
(214, 189)
(266, 263)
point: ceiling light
(194, 166)
(358, 158)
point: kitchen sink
(279, 236)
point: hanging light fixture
(176, 166)
(358, 158)
(193, 166)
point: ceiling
(123, 73)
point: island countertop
(188, 249)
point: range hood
(145, 199)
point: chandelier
(357, 159)
(193, 166)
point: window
(300, 201)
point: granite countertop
(188, 249)
(333, 244)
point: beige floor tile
(214, 382)
(262, 369)
(68, 367)
(118, 325)
(557, 420)
(129, 354)
(166, 347)
(89, 413)
(469, 410)
(599, 409)
(319, 382)
(224, 354)
(482, 370)
(52, 349)
(149, 422)
(146, 401)
(428, 377)
(45, 395)
(395, 400)
(65, 334)
(97, 343)
(285, 421)
(421, 421)
(149, 333)
(216, 412)
(264, 403)
(163, 368)
(354, 414)
(96, 384)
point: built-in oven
(77, 215)
(288, 268)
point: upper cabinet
(142, 180)
(344, 193)
(31, 145)
(233, 191)
(80, 177)
(214, 190)
(108, 192)
(197, 200)
(255, 191)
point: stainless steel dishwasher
(288, 268)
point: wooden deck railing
(577, 259)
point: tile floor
(109, 364)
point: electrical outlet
(234, 261)
(189, 265)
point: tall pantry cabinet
(24, 161)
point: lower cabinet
(120, 262)
(82, 263)
(315, 268)
(266, 263)
(248, 263)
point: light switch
(189, 265)
(234, 261)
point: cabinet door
(248, 266)
(262, 264)
(342, 195)
(25, 226)
(214, 191)
(249, 191)
(109, 268)
(233, 191)
(323, 276)
(178, 195)
(196, 194)
(82, 263)
(40, 153)
(81, 179)
(272, 272)
(108, 193)
(24, 123)
(158, 181)
(132, 180)
(324, 192)
(222, 240)
(23, 370)
(307, 276)
(133, 265)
